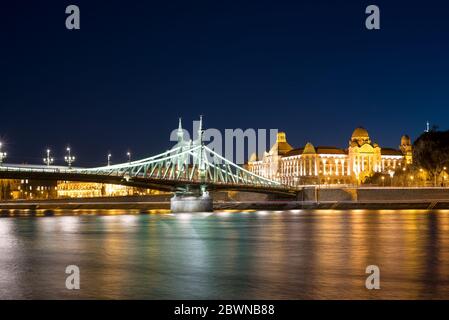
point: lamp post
(48, 160)
(109, 159)
(129, 156)
(69, 158)
(444, 175)
(2, 154)
(404, 180)
(391, 173)
(411, 179)
(383, 181)
(317, 190)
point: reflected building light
(5, 227)
(184, 216)
(128, 219)
(223, 214)
(206, 214)
(68, 224)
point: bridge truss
(189, 163)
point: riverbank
(143, 205)
(309, 198)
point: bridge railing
(191, 163)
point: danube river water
(297, 254)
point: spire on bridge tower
(180, 131)
(200, 131)
(201, 163)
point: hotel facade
(330, 165)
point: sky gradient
(309, 68)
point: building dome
(360, 132)
(309, 149)
(405, 140)
(281, 147)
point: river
(296, 254)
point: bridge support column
(191, 202)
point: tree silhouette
(431, 152)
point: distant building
(9, 189)
(34, 189)
(330, 165)
(71, 189)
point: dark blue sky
(307, 67)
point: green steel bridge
(190, 168)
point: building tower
(407, 149)
(180, 132)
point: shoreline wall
(328, 198)
(375, 194)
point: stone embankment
(309, 198)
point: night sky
(309, 68)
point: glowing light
(223, 214)
(184, 216)
(128, 219)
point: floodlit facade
(73, 189)
(330, 165)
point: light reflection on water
(297, 254)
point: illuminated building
(8, 189)
(35, 189)
(330, 165)
(70, 189)
(13, 189)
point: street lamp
(129, 156)
(391, 173)
(109, 159)
(2, 154)
(48, 160)
(444, 174)
(69, 158)
(411, 179)
(383, 181)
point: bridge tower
(190, 169)
(193, 198)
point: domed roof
(360, 132)
(309, 149)
(281, 147)
(405, 139)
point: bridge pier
(186, 201)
